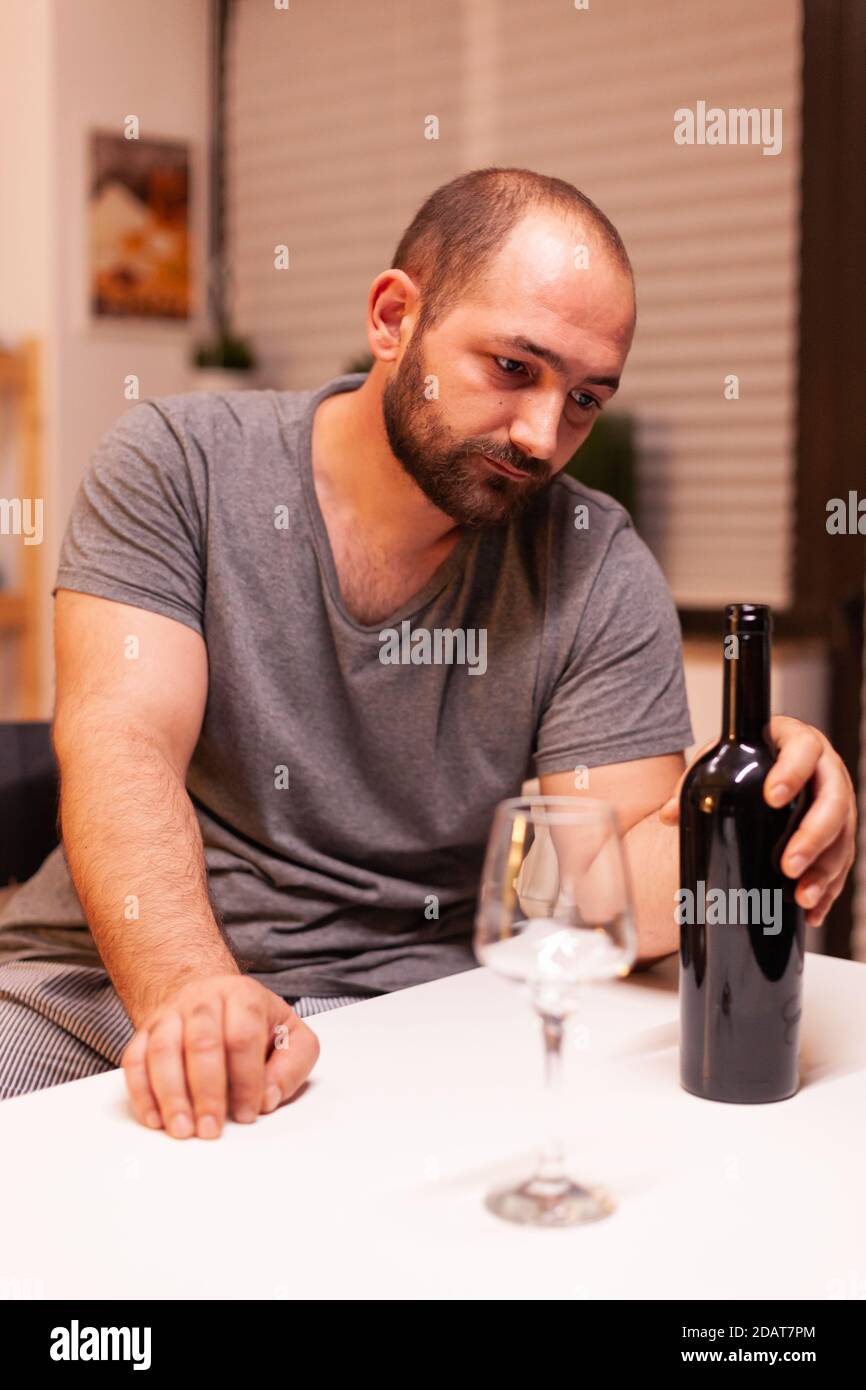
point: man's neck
(360, 480)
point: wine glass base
(540, 1203)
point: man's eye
(585, 400)
(511, 360)
(582, 399)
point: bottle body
(742, 934)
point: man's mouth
(508, 469)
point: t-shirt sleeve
(136, 532)
(621, 694)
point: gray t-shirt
(346, 773)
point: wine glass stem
(552, 1161)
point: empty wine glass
(554, 912)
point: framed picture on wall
(138, 214)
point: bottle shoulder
(738, 769)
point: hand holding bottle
(826, 839)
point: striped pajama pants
(60, 1021)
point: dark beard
(455, 482)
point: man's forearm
(653, 859)
(135, 854)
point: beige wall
(26, 164)
(26, 215)
(77, 66)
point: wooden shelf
(12, 372)
(20, 605)
(13, 610)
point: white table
(370, 1183)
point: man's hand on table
(224, 1042)
(825, 841)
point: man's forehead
(561, 323)
(553, 274)
(543, 248)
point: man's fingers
(834, 863)
(816, 915)
(218, 1046)
(824, 822)
(245, 1029)
(824, 841)
(145, 1106)
(800, 750)
(165, 1069)
(296, 1051)
(204, 1055)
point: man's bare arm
(653, 855)
(131, 694)
(131, 691)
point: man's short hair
(448, 247)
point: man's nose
(536, 429)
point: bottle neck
(746, 702)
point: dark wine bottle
(742, 933)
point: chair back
(29, 785)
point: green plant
(606, 460)
(226, 350)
